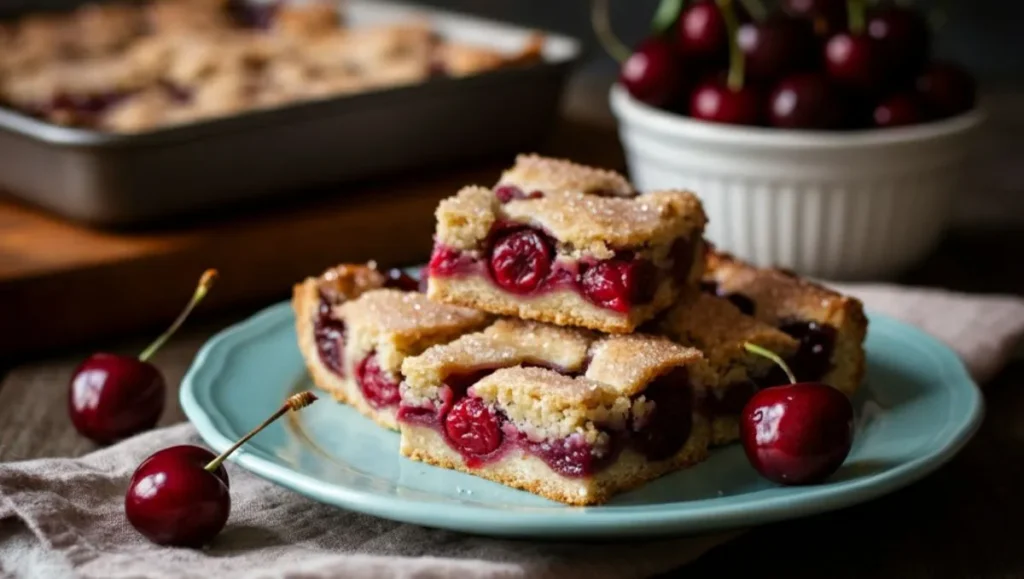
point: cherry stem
(755, 8)
(205, 283)
(855, 12)
(735, 78)
(601, 21)
(755, 349)
(295, 402)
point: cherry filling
(377, 387)
(473, 429)
(619, 283)
(521, 259)
(813, 359)
(665, 428)
(329, 334)
(398, 279)
(506, 193)
(571, 457)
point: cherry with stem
(729, 100)
(179, 496)
(112, 396)
(852, 58)
(799, 433)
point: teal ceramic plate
(917, 408)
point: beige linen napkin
(64, 518)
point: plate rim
(593, 522)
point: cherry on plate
(805, 101)
(799, 433)
(112, 397)
(946, 89)
(179, 496)
(652, 74)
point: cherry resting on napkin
(111, 397)
(179, 495)
(799, 433)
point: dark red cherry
(855, 61)
(805, 101)
(666, 426)
(946, 89)
(797, 434)
(473, 428)
(398, 279)
(826, 16)
(898, 110)
(520, 260)
(702, 32)
(776, 46)
(652, 74)
(111, 397)
(714, 101)
(173, 500)
(179, 496)
(377, 387)
(903, 38)
(618, 284)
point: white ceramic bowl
(838, 205)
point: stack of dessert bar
(570, 336)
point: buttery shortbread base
(563, 308)
(522, 470)
(305, 301)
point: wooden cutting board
(62, 285)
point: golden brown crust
(628, 363)
(782, 296)
(534, 172)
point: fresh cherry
(776, 46)
(898, 110)
(799, 433)
(903, 37)
(651, 74)
(702, 32)
(520, 260)
(398, 279)
(179, 495)
(716, 102)
(854, 61)
(111, 397)
(827, 16)
(805, 101)
(472, 427)
(946, 89)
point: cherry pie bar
(135, 66)
(829, 327)
(560, 253)
(719, 329)
(565, 413)
(354, 333)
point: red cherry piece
(714, 101)
(447, 261)
(473, 428)
(618, 284)
(898, 110)
(651, 74)
(797, 434)
(702, 32)
(378, 389)
(946, 89)
(776, 46)
(398, 279)
(570, 457)
(854, 61)
(173, 500)
(805, 101)
(903, 37)
(112, 397)
(521, 260)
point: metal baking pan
(114, 180)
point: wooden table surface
(962, 521)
